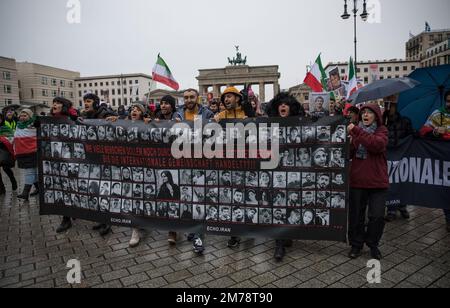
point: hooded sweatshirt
(372, 172)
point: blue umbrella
(419, 103)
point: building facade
(370, 71)
(115, 90)
(418, 46)
(9, 82)
(438, 55)
(39, 84)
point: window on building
(125, 100)
(85, 85)
(389, 77)
(79, 85)
(54, 93)
(7, 89)
(90, 84)
(136, 81)
(95, 84)
(381, 69)
(44, 93)
(342, 71)
(358, 70)
(7, 75)
(130, 81)
(405, 68)
(101, 84)
(118, 92)
(113, 91)
(62, 83)
(71, 95)
(63, 94)
(397, 68)
(114, 102)
(389, 69)
(81, 103)
(366, 70)
(366, 80)
(112, 83)
(44, 81)
(397, 76)
(80, 94)
(125, 91)
(137, 99)
(70, 84)
(8, 101)
(119, 101)
(413, 68)
(54, 83)
(96, 92)
(381, 77)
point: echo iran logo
(74, 13)
(374, 274)
(74, 273)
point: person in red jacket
(369, 181)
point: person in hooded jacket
(369, 181)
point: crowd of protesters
(370, 133)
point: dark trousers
(10, 174)
(447, 215)
(359, 232)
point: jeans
(30, 176)
(359, 234)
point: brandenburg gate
(239, 74)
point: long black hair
(296, 109)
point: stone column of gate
(276, 88)
(216, 91)
(262, 92)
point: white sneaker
(135, 238)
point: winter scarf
(361, 153)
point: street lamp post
(364, 17)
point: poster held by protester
(419, 173)
(125, 173)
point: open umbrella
(419, 103)
(381, 89)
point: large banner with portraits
(126, 173)
(419, 173)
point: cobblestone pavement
(416, 254)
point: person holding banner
(438, 127)
(369, 181)
(285, 105)
(168, 109)
(137, 113)
(93, 110)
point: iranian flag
(352, 82)
(161, 73)
(316, 77)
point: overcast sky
(118, 36)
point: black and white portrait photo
(212, 178)
(126, 174)
(279, 198)
(238, 214)
(150, 208)
(321, 157)
(238, 196)
(186, 194)
(319, 104)
(101, 133)
(49, 197)
(75, 200)
(78, 151)
(74, 168)
(212, 195)
(287, 158)
(265, 179)
(84, 171)
(149, 191)
(238, 178)
(56, 149)
(264, 197)
(225, 213)
(47, 167)
(138, 191)
(64, 169)
(94, 188)
(84, 202)
(186, 211)
(308, 198)
(185, 177)
(339, 135)
(323, 133)
(198, 177)
(308, 134)
(132, 134)
(168, 188)
(338, 200)
(127, 206)
(138, 174)
(156, 135)
(116, 173)
(59, 199)
(308, 180)
(47, 149)
(73, 183)
(64, 130)
(82, 130)
(303, 158)
(338, 181)
(225, 195)
(48, 182)
(279, 180)
(265, 216)
(127, 190)
(83, 186)
(323, 199)
(294, 135)
(73, 134)
(198, 212)
(67, 150)
(105, 188)
(198, 194)
(95, 172)
(106, 172)
(121, 134)
(212, 213)
(251, 215)
(251, 197)
(55, 168)
(173, 211)
(116, 205)
(294, 217)
(225, 178)
(279, 216)
(251, 179)
(104, 204)
(294, 199)
(294, 180)
(116, 189)
(149, 175)
(64, 184)
(337, 158)
(110, 133)
(322, 217)
(54, 131)
(45, 130)
(323, 181)
(308, 217)
(92, 133)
